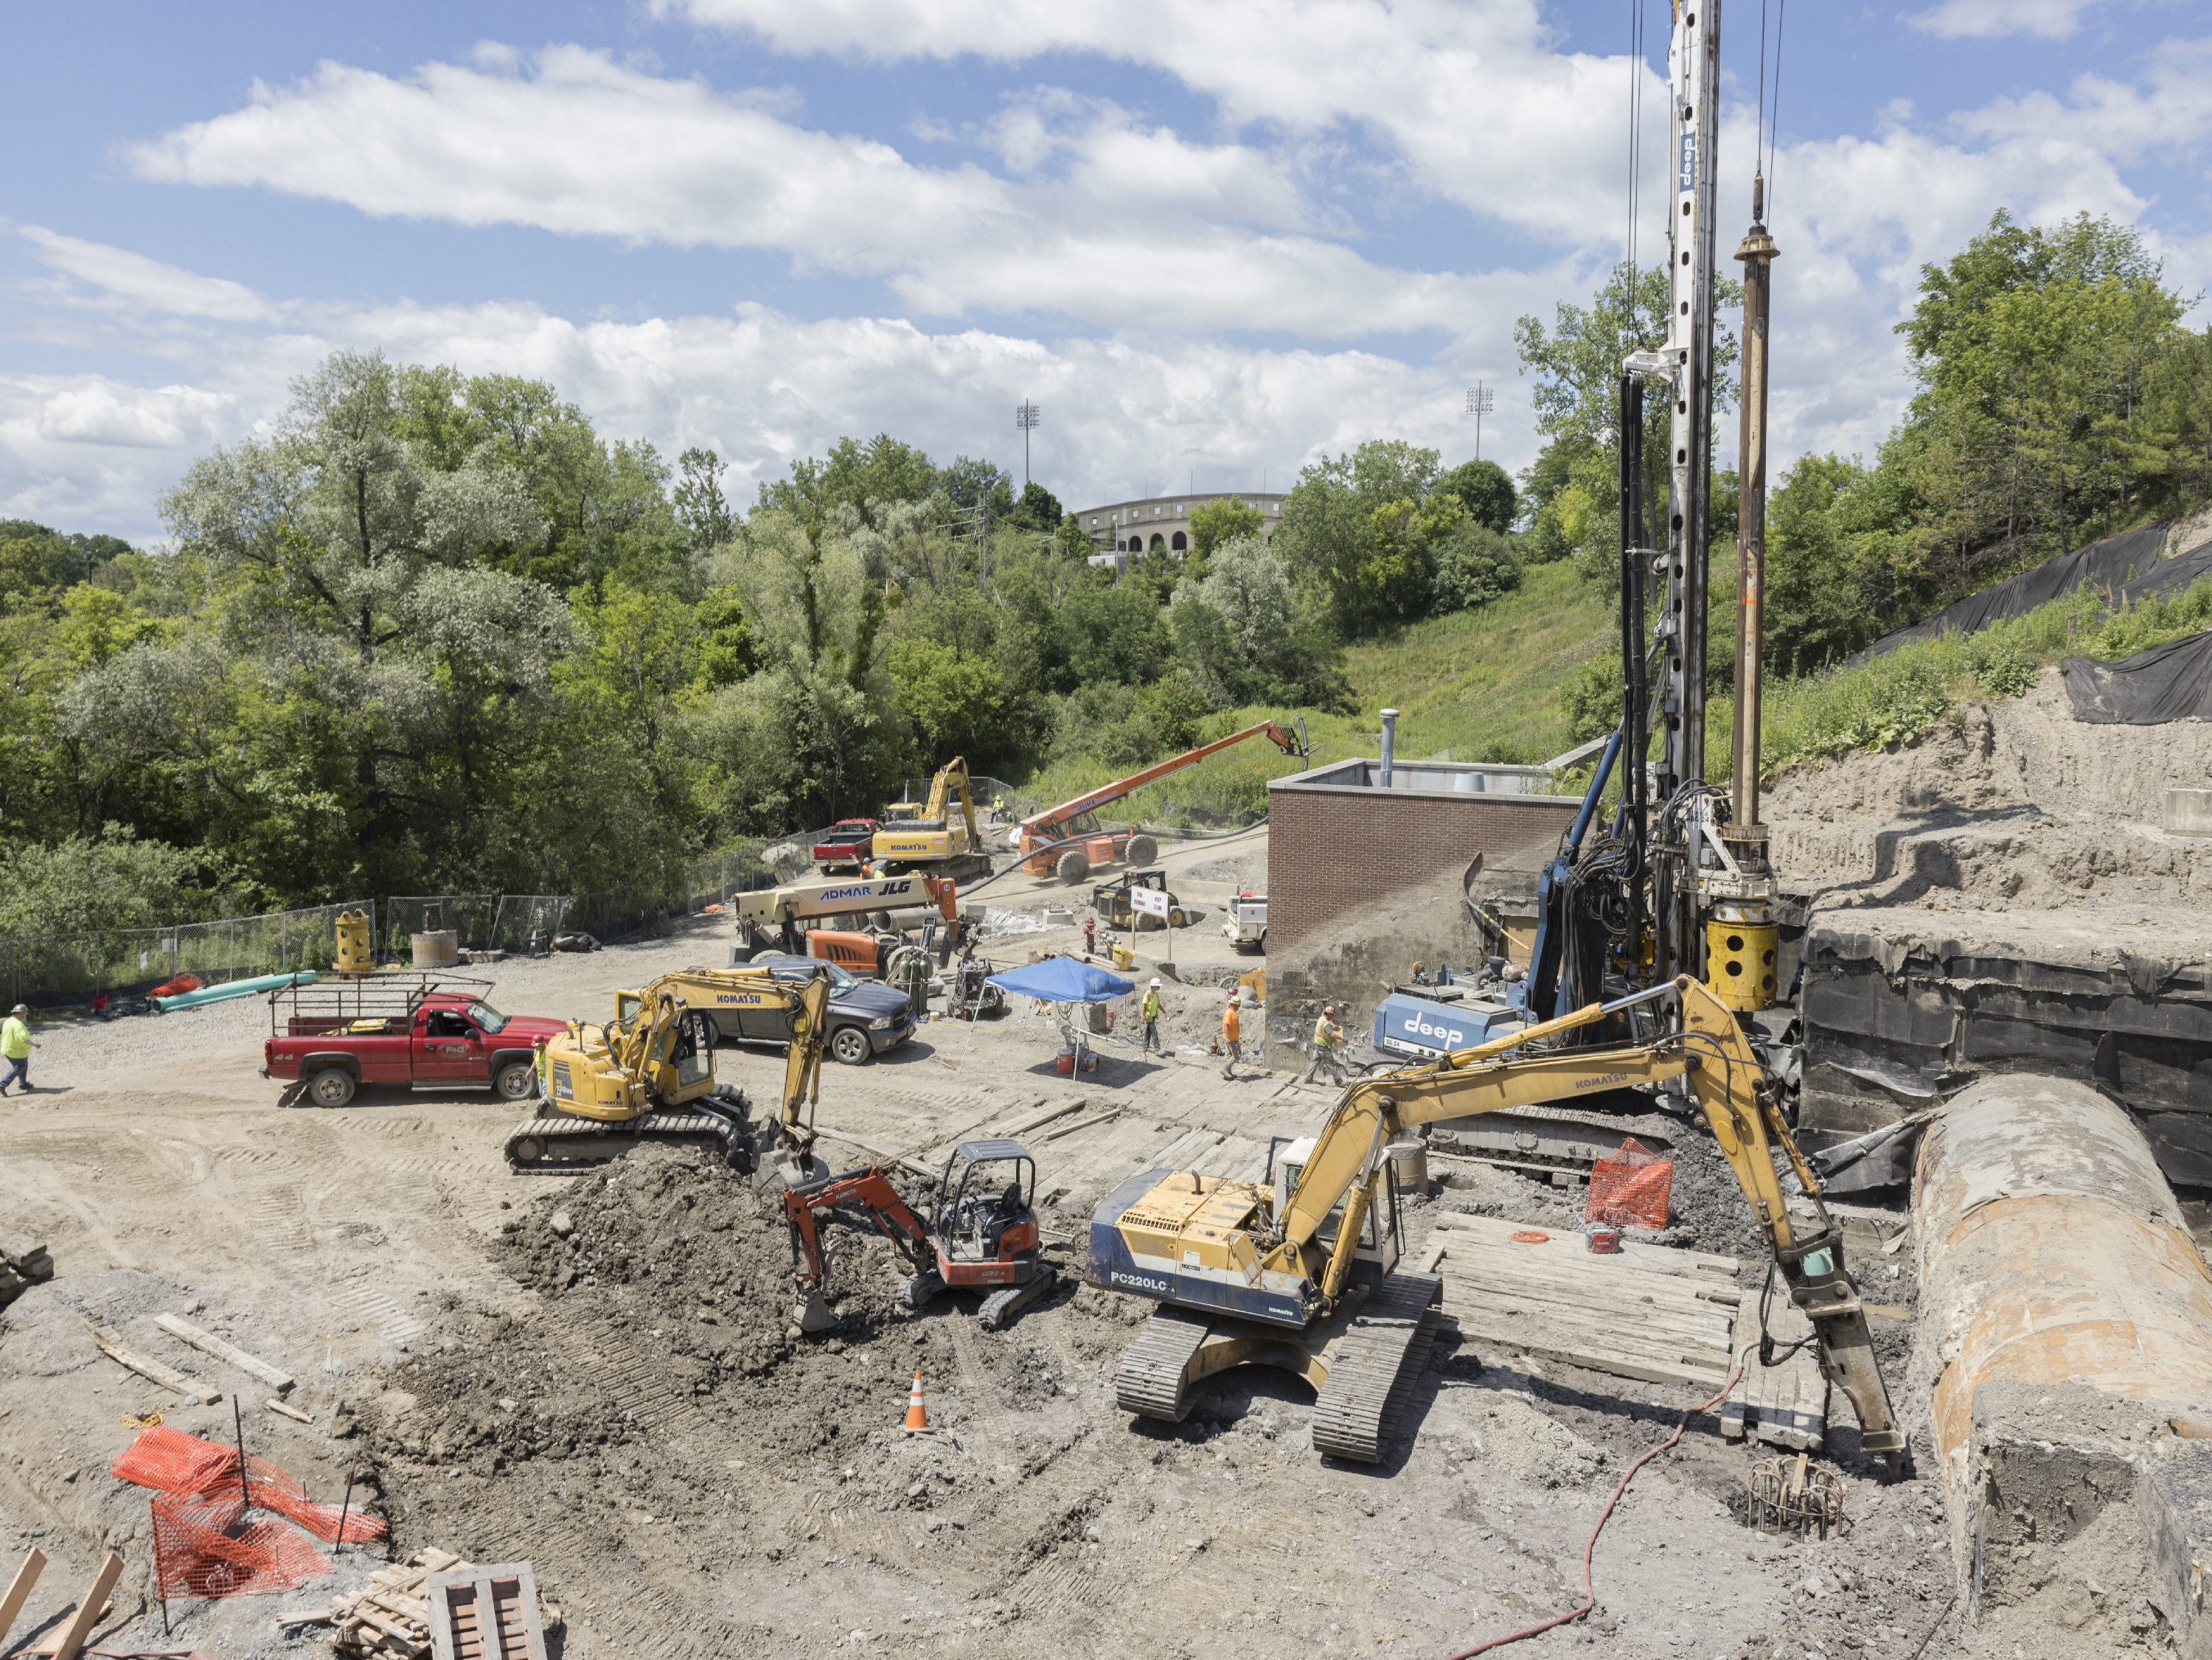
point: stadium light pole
(1480, 401)
(1026, 417)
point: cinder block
(2187, 812)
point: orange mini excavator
(984, 1236)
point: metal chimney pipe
(1389, 742)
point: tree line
(435, 633)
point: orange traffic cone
(917, 1416)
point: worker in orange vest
(1232, 1031)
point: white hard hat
(1156, 979)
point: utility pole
(1480, 400)
(1026, 417)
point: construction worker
(1090, 933)
(16, 1043)
(1327, 1038)
(1420, 975)
(1232, 1031)
(1151, 1011)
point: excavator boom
(1241, 1252)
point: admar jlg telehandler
(1303, 1274)
(984, 1235)
(650, 1071)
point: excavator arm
(802, 1065)
(1733, 1094)
(857, 1196)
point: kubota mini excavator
(650, 1071)
(985, 1235)
(1302, 1276)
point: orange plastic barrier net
(208, 1545)
(206, 1540)
(1632, 1191)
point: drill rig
(1301, 1272)
(1679, 883)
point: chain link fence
(60, 968)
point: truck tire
(331, 1086)
(1142, 850)
(1146, 922)
(1072, 867)
(517, 1081)
(849, 1046)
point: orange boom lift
(1067, 840)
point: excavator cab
(985, 1219)
(1377, 1250)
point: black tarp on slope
(2173, 681)
(2170, 574)
(2105, 564)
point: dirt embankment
(2015, 806)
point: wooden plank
(1626, 1300)
(1635, 1254)
(1093, 1122)
(154, 1370)
(88, 1611)
(19, 1589)
(1601, 1322)
(176, 1326)
(283, 1411)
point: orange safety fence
(173, 1462)
(204, 1545)
(1630, 1191)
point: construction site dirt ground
(619, 1402)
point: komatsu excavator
(936, 842)
(650, 1071)
(1302, 1272)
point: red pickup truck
(429, 1034)
(846, 844)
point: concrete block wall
(1335, 854)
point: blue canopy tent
(1063, 979)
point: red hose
(1590, 1597)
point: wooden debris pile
(24, 1262)
(394, 1615)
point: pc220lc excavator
(650, 1071)
(1304, 1277)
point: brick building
(1340, 842)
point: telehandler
(1302, 1273)
(650, 1071)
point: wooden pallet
(398, 1614)
(485, 1613)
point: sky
(1214, 242)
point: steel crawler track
(555, 1141)
(1150, 1382)
(1388, 1343)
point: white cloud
(759, 386)
(587, 146)
(1992, 20)
(117, 276)
(1472, 97)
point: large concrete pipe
(2065, 1333)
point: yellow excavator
(936, 842)
(1301, 1272)
(650, 1071)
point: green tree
(1036, 509)
(1485, 490)
(701, 508)
(1474, 565)
(1216, 522)
(1355, 530)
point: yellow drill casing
(1741, 961)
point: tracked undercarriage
(551, 1139)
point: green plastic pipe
(233, 989)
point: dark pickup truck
(428, 1034)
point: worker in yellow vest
(1232, 1030)
(16, 1043)
(1151, 1010)
(1327, 1038)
